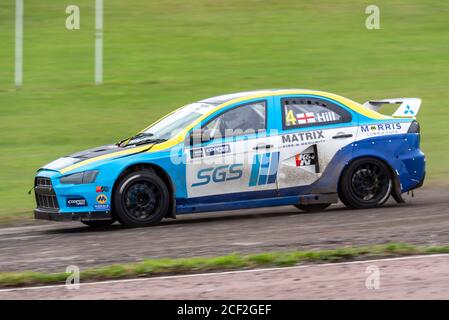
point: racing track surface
(53, 246)
(416, 277)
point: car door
(233, 159)
(313, 130)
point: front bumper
(70, 202)
(55, 215)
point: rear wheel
(312, 207)
(366, 183)
(98, 223)
(141, 199)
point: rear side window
(306, 112)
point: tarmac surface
(422, 220)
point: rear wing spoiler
(409, 107)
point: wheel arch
(161, 173)
(396, 191)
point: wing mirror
(205, 136)
(198, 136)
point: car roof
(224, 100)
(221, 99)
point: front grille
(47, 201)
(45, 195)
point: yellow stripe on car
(103, 157)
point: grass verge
(235, 261)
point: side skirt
(258, 203)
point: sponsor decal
(103, 207)
(196, 153)
(219, 174)
(408, 110)
(305, 159)
(102, 189)
(309, 117)
(214, 150)
(210, 151)
(264, 169)
(102, 199)
(303, 137)
(381, 129)
(76, 202)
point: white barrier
(18, 76)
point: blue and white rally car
(244, 150)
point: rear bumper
(55, 215)
(421, 183)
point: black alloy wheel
(366, 183)
(141, 199)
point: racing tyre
(366, 183)
(98, 223)
(312, 207)
(141, 199)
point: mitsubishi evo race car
(244, 150)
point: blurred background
(162, 54)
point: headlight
(80, 177)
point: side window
(245, 119)
(305, 112)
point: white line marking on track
(20, 238)
(231, 272)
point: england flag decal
(305, 118)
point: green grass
(235, 261)
(160, 55)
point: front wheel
(141, 199)
(366, 183)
